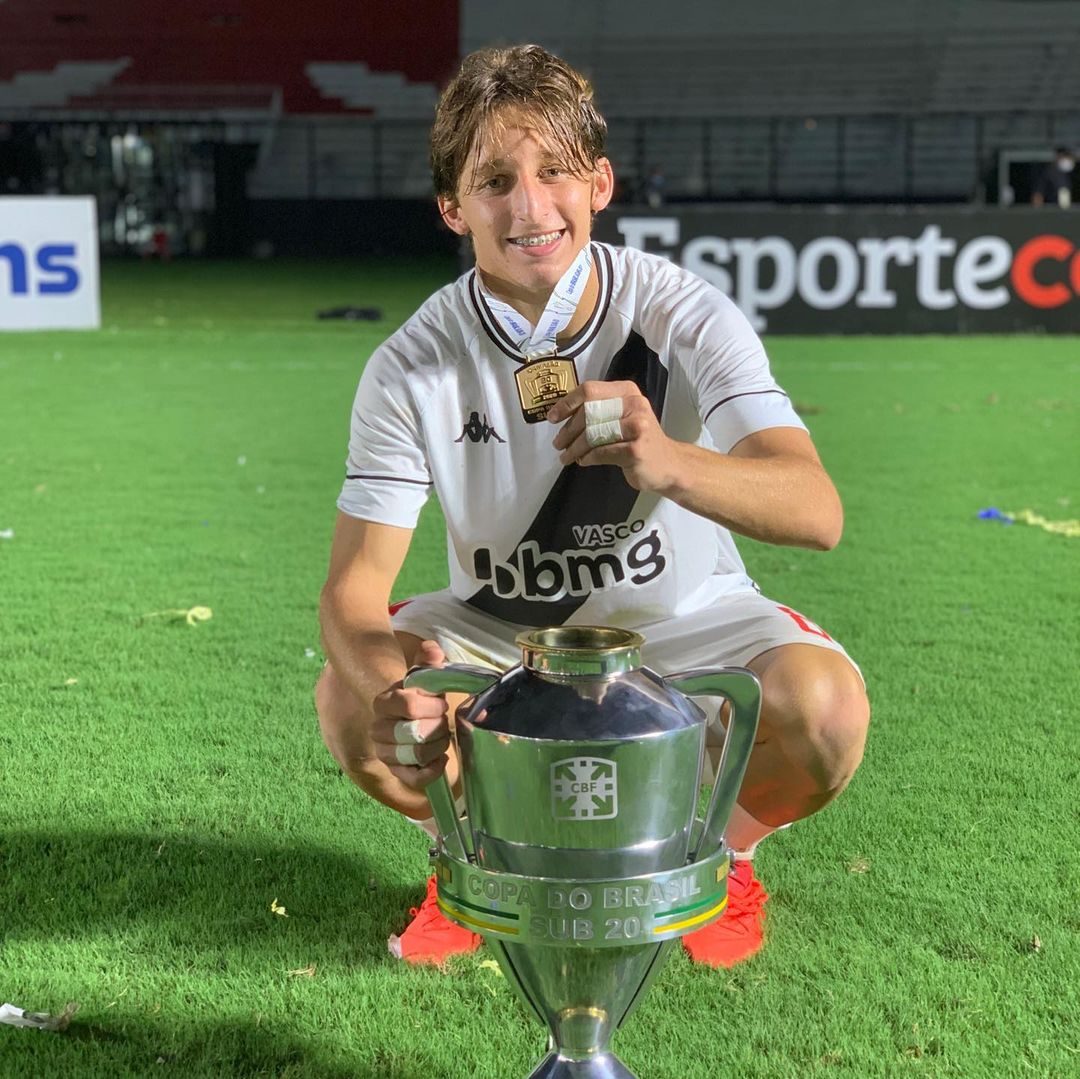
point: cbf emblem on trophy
(579, 888)
(584, 788)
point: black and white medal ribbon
(539, 341)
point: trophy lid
(580, 650)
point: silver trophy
(582, 856)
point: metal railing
(858, 158)
(855, 158)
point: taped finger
(610, 408)
(604, 433)
(406, 754)
(408, 732)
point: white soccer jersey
(529, 541)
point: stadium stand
(833, 100)
(386, 95)
(60, 85)
(784, 101)
(841, 74)
(224, 44)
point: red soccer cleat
(431, 937)
(737, 933)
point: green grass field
(161, 785)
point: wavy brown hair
(494, 87)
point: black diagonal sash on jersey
(580, 496)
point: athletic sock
(430, 825)
(427, 825)
(745, 832)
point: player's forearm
(366, 656)
(786, 500)
(359, 641)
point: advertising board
(49, 263)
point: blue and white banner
(49, 263)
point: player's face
(527, 213)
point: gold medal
(541, 382)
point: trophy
(582, 856)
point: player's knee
(823, 715)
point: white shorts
(732, 632)
(736, 629)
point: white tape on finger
(407, 732)
(603, 434)
(611, 408)
(406, 755)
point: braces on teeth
(536, 241)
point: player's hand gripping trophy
(582, 856)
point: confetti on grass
(191, 615)
(1029, 517)
(490, 964)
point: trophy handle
(455, 678)
(742, 690)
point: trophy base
(604, 1066)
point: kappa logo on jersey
(477, 430)
(548, 576)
